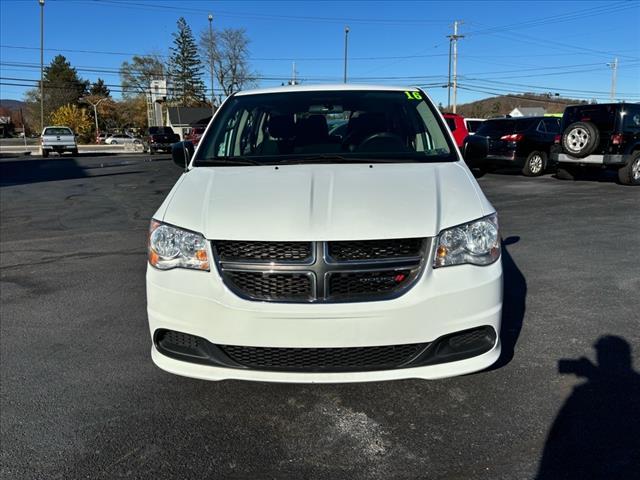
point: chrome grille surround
(388, 277)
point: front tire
(114, 143)
(630, 173)
(45, 153)
(535, 164)
(74, 152)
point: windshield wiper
(333, 158)
(221, 161)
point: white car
(122, 139)
(284, 253)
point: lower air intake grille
(323, 359)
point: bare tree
(136, 76)
(229, 50)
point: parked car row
(587, 136)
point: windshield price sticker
(413, 95)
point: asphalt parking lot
(80, 397)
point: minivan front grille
(322, 272)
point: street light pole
(41, 64)
(95, 111)
(346, 43)
(213, 95)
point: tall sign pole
(213, 95)
(454, 40)
(41, 65)
(346, 44)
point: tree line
(69, 99)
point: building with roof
(182, 119)
(528, 112)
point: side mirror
(181, 153)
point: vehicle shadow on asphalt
(597, 431)
(20, 172)
(513, 304)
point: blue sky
(544, 46)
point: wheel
(535, 164)
(567, 172)
(45, 153)
(580, 139)
(114, 142)
(74, 151)
(630, 173)
(137, 142)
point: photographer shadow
(596, 434)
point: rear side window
(551, 125)
(603, 116)
(57, 131)
(631, 119)
(473, 125)
(452, 123)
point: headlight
(172, 247)
(477, 243)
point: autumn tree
(185, 68)
(229, 50)
(73, 117)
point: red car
(195, 135)
(457, 127)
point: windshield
(301, 127)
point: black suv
(522, 142)
(605, 135)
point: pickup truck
(58, 139)
(161, 139)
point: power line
(258, 16)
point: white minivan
(288, 253)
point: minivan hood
(324, 202)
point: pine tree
(99, 89)
(185, 68)
(62, 86)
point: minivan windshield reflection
(326, 126)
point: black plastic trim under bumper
(448, 348)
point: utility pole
(213, 95)
(454, 41)
(293, 74)
(41, 65)
(449, 77)
(346, 43)
(614, 77)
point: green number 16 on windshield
(413, 95)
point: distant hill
(11, 104)
(504, 104)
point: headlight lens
(172, 247)
(477, 243)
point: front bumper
(443, 301)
